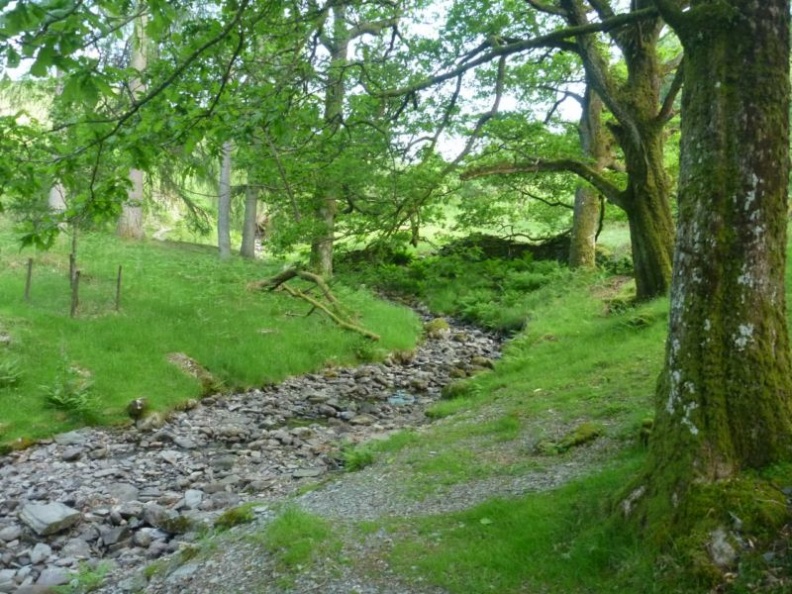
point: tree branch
(667, 109)
(608, 189)
(547, 8)
(554, 39)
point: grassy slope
(577, 362)
(176, 298)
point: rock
(49, 518)
(72, 453)
(7, 583)
(123, 492)
(53, 576)
(77, 548)
(721, 551)
(185, 442)
(193, 498)
(364, 420)
(72, 438)
(10, 533)
(40, 553)
(307, 472)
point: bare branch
(603, 8)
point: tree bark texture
(224, 203)
(724, 397)
(585, 220)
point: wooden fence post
(118, 290)
(29, 279)
(75, 293)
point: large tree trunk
(224, 203)
(648, 211)
(130, 224)
(724, 399)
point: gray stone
(185, 443)
(123, 492)
(7, 583)
(10, 533)
(77, 548)
(72, 453)
(193, 498)
(53, 576)
(40, 553)
(223, 462)
(157, 516)
(183, 572)
(49, 518)
(307, 472)
(72, 438)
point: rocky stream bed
(131, 496)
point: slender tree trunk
(248, 247)
(586, 216)
(224, 203)
(724, 400)
(130, 224)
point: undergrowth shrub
(465, 284)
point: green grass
(176, 298)
(546, 542)
(296, 538)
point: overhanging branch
(605, 186)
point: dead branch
(333, 308)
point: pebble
(129, 496)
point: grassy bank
(57, 372)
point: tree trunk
(638, 127)
(224, 203)
(57, 198)
(130, 224)
(248, 247)
(723, 400)
(585, 219)
(327, 189)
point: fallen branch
(333, 309)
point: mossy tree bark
(639, 119)
(586, 218)
(724, 399)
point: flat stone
(71, 438)
(123, 492)
(53, 576)
(49, 518)
(307, 472)
(76, 547)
